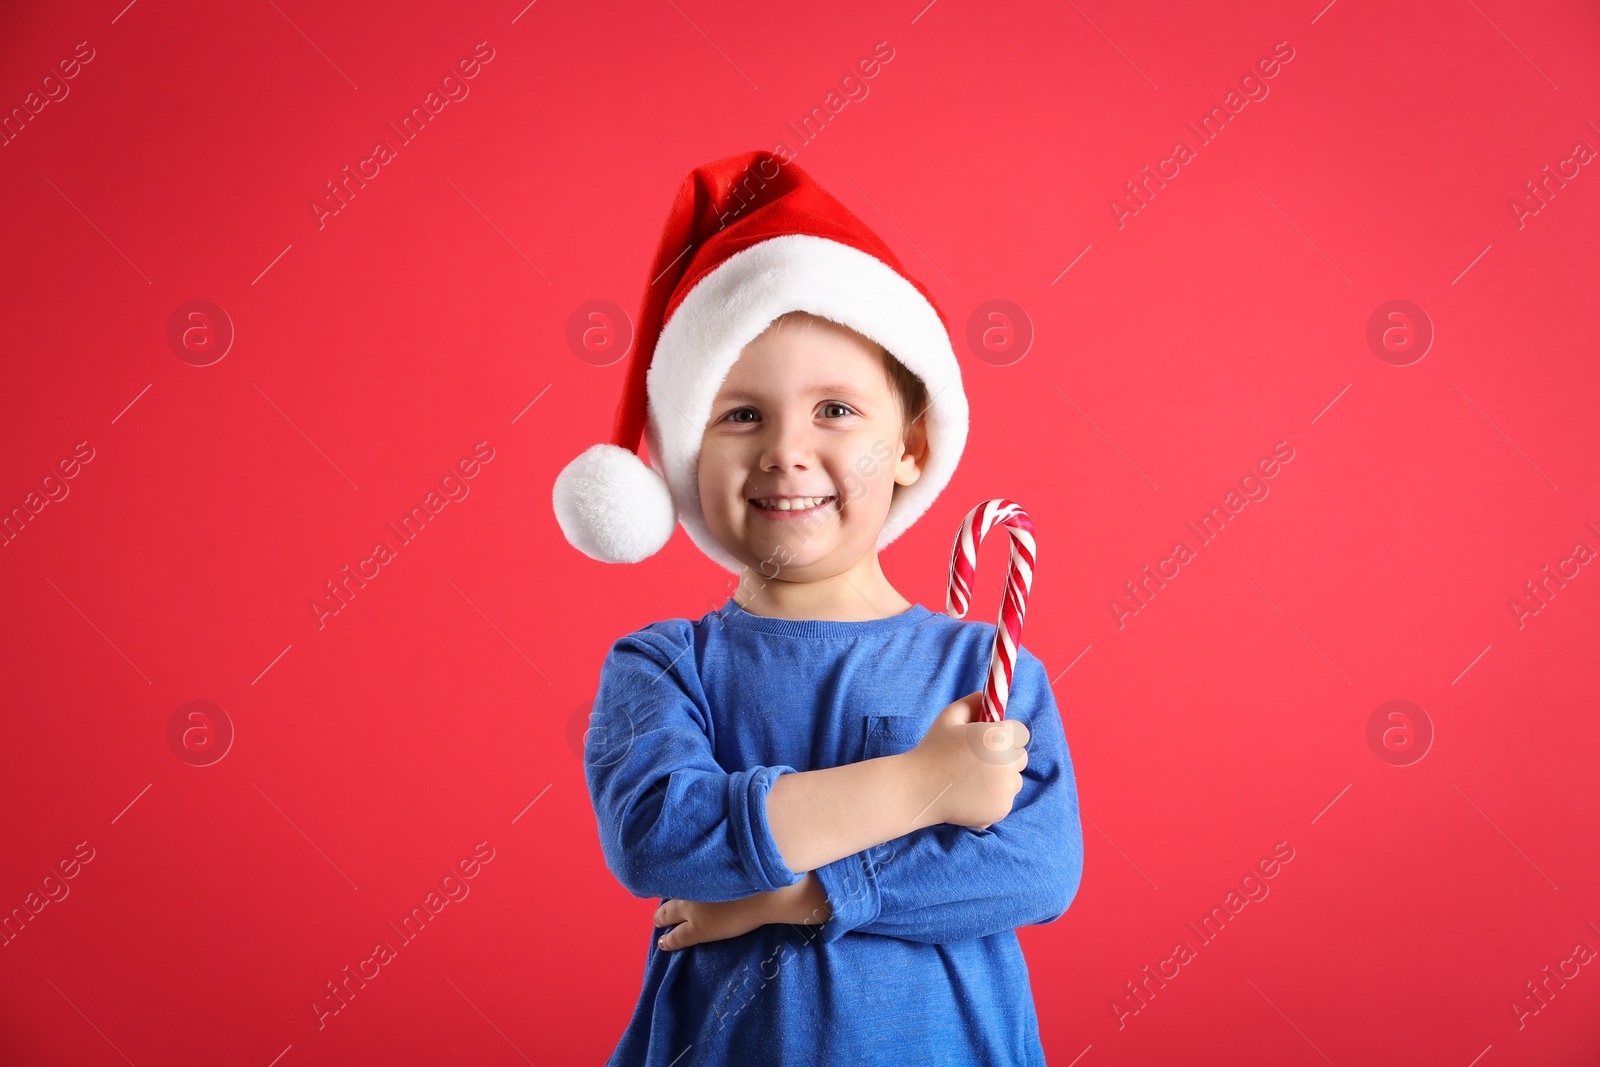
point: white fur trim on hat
(731, 306)
(612, 507)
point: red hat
(748, 239)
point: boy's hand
(969, 769)
(694, 922)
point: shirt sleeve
(672, 821)
(947, 883)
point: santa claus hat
(749, 238)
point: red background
(375, 751)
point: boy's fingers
(677, 937)
(662, 917)
(1021, 736)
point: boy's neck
(860, 594)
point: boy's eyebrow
(834, 389)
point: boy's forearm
(821, 816)
(804, 903)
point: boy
(843, 855)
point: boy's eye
(844, 409)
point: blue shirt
(919, 963)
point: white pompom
(613, 506)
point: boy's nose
(788, 446)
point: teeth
(799, 504)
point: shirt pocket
(890, 735)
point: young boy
(843, 854)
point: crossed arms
(849, 848)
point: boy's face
(806, 411)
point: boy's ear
(913, 454)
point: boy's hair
(908, 389)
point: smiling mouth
(791, 506)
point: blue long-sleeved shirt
(919, 963)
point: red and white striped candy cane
(1019, 579)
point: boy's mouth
(788, 507)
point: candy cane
(1019, 579)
